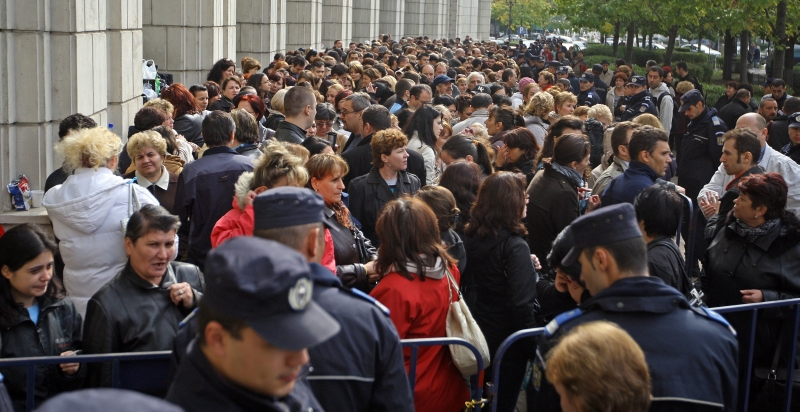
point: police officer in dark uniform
(639, 101)
(255, 322)
(599, 84)
(691, 353)
(361, 368)
(701, 147)
(588, 95)
(537, 66)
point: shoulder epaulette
(559, 320)
(716, 317)
(361, 295)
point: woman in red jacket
(417, 293)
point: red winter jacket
(418, 309)
(240, 223)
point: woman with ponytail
(472, 150)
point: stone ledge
(36, 215)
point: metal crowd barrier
(148, 371)
(745, 373)
(475, 387)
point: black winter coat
(771, 264)
(130, 314)
(349, 264)
(732, 111)
(552, 205)
(190, 126)
(594, 129)
(59, 330)
(274, 120)
(779, 133)
(370, 192)
(499, 285)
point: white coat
(87, 211)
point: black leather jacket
(59, 330)
(289, 132)
(129, 314)
(349, 264)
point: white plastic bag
(461, 324)
(149, 70)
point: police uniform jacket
(130, 314)
(361, 368)
(691, 353)
(700, 150)
(601, 87)
(370, 192)
(58, 330)
(639, 103)
(792, 151)
(589, 98)
(198, 388)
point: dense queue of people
(282, 230)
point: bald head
(756, 123)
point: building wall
(84, 56)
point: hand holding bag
(461, 324)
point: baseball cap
(638, 80)
(587, 77)
(442, 78)
(603, 226)
(690, 98)
(794, 120)
(288, 206)
(597, 68)
(268, 285)
(482, 88)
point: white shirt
(772, 161)
(162, 182)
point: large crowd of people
(281, 230)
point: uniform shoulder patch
(716, 120)
(589, 95)
(559, 320)
(363, 296)
(716, 317)
(643, 108)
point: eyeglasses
(345, 112)
(323, 124)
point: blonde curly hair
(142, 140)
(276, 162)
(162, 105)
(90, 148)
(541, 105)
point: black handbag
(769, 383)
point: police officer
(639, 100)
(701, 147)
(537, 66)
(691, 353)
(588, 95)
(552, 67)
(255, 323)
(599, 84)
(361, 368)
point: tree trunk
(629, 44)
(673, 33)
(744, 47)
(617, 29)
(510, 15)
(788, 66)
(727, 60)
(779, 54)
(650, 44)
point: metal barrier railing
(475, 387)
(117, 358)
(744, 373)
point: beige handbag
(460, 324)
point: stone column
(435, 17)
(124, 33)
(303, 24)
(186, 37)
(392, 18)
(54, 64)
(337, 22)
(414, 18)
(484, 14)
(463, 18)
(366, 19)
(259, 29)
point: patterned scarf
(753, 233)
(342, 214)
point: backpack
(675, 106)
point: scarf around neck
(753, 233)
(571, 174)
